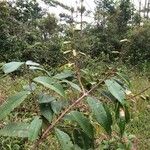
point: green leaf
(50, 83)
(35, 128)
(30, 87)
(83, 122)
(44, 98)
(116, 90)
(81, 139)
(46, 111)
(122, 116)
(127, 114)
(39, 68)
(109, 96)
(63, 75)
(56, 106)
(15, 130)
(101, 114)
(73, 85)
(12, 102)
(64, 139)
(122, 124)
(124, 77)
(12, 66)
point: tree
(137, 52)
(28, 10)
(48, 26)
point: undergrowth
(139, 126)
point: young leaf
(31, 63)
(73, 85)
(64, 139)
(12, 102)
(83, 122)
(122, 116)
(15, 130)
(35, 128)
(101, 114)
(46, 111)
(116, 90)
(12, 66)
(50, 83)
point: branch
(55, 2)
(79, 76)
(140, 93)
(45, 134)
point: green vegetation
(74, 89)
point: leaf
(35, 128)
(122, 116)
(73, 85)
(124, 77)
(76, 147)
(109, 96)
(83, 122)
(15, 130)
(116, 90)
(63, 75)
(56, 106)
(12, 102)
(64, 139)
(101, 114)
(50, 83)
(66, 52)
(122, 124)
(30, 87)
(81, 139)
(46, 111)
(44, 98)
(11, 67)
(39, 68)
(127, 114)
(31, 63)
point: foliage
(83, 126)
(33, 33)
(38, 35)
(87, 108)
(137, 52)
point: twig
(77, 68)
(139, 93)
(80, 82)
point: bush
(138, 51)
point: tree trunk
(140, 7)
(145, 8)
(148, 9)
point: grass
(139, 125)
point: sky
(89, 4)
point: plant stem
(45, 134)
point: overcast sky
(89, 4)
